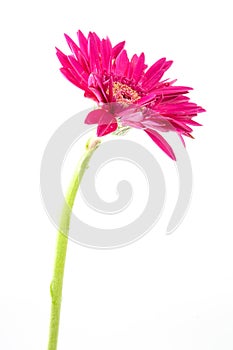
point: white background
(163, 292)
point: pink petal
(90, 94)
(93, 53)
(139, 67)
(78, 54)
(192, 122)
(122, 63)
(180, 126)
(132, 65)
(62, 58)
(82, 43)
(97, 94)
(117, 49)
(73, 47)
(78, 68)
(73, 79)
(105, 55)
(182, 139)
(173, 90)
(146, 99)
(176, 99)
(94, 116)
(110, 85)
(97, 40)
(83, 61)
(151, 82)
(109, 47)
(106, 124)
(161, 142)
(154, 69)
(95, 84)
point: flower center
(124, 93)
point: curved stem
(62, 242)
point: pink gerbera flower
(127, 92)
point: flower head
(127, 92)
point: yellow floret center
(124, 93)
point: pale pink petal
(133, 116)
(93, 117)
(157, 124)
(132, 124)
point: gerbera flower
(127, 92)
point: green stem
(62, 242)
